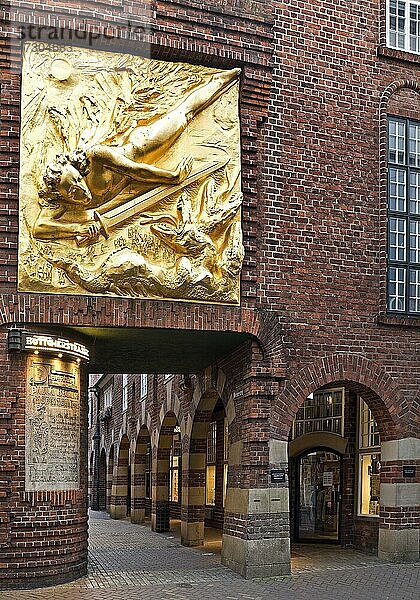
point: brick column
(194, 490)
(400, 507)
(160, 478)
(256, 539)
(110, 479)
(194, 476)
(138, 500)
(43, 533)
(118, 505)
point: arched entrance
(335, 466)
(318, 480)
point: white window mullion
(414, 291)
(396, 289)
(397, 239)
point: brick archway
(362, 375)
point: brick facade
(317, 84)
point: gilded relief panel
(52, 425)
(130, 180)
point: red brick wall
(322, 255)
(314, 217)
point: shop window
(174, 468)
(403, 215)
(148, 472)
(124, 392)
(322, 411)
(143, 385)
(369, 457)
(403, 25)
(211, 465)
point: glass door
(318, 497)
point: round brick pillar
(43, 506)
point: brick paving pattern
(130, 562)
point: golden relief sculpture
(130, 181)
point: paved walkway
(129, 562)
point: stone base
(137, 515)
(15, 581)
(257, 558)
(399, 545)
(117, 512)
(192, 534)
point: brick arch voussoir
(212, 383)
(394, 87)
(143, 437)
(167, 420)
(123, 446)
(362, 375)
(268, 336)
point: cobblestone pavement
(129, 562)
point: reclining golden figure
(78, 183)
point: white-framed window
(403, 25)
(322, 411)
(124, 392)
(107, 396)
(143, 385)
(403, 215)
(369, 463)
(211, 464)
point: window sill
(401, 320)
(370, 517)
(398, 54)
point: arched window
(403, 215)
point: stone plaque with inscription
(52, 425)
